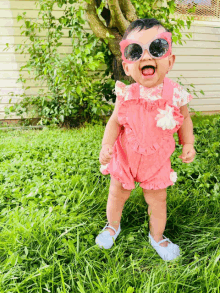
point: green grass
(53, 205)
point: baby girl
(138, 140)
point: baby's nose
(146, 55)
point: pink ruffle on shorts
(128, 166)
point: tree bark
(118, 16)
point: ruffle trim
(190, 97)
(155, 186)
(150, 106)
(124, 185)
(135, 145)
(104, 169)
(120, 87)
(163, 155)
(149, 186)
(121, 91)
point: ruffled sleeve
(180, 96)
(121, 90)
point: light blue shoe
(166, 253)
(104, 239)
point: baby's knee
(117, 191)
(155, 196)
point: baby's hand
(188, 153)
(105, 154)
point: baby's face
(163, 66)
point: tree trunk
(118, 15)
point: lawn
(53, 205)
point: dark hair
(145, 23)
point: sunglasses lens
(133, 52)
(159, 47)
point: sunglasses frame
(165, 35)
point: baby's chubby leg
(116, 200)
(157, 210)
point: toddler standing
(138, 140)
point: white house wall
(198, 60)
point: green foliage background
(73, 96)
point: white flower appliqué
(103, 167)
(165, 119)
(173, 176)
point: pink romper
(143, 148)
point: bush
(73, 96)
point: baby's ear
(125, 67)
(172, 59)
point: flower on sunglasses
(165, 119)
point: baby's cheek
(163, 65)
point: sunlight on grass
(53, 205)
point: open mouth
(148, 70)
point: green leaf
(87, 51)
(26, 250)
(130, 290)
(77, 50)
(56, 80)
(174, 39)
(78, 90)
(19, 17)
(27, 22)
(130, 238)
(92, 66)
(188, 24)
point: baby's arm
(185, 132)
(113, 127)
